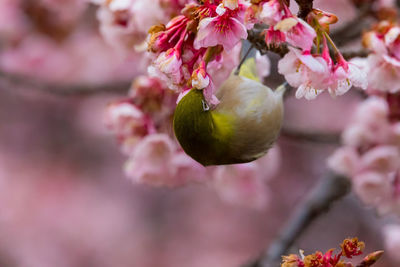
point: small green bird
(242, 127)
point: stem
(332, 43)
(329, 190)
(210, 53)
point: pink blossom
(371, 157)
(391, 36)
(271, 12)
(298, 32)
(370, 124)
(222, 67)
(225, 30)
(274, 38)
(209, 95)
(124, 24)
(245, 184)
(384, 63)
(168, 64)
(306, 72)
(200, 77)
(374, 42)
(384, 73)
(392, 241)
(202, 81)
(383, 159)
(11, 24)
(119, 25)
(157, 161)
(147, 92)
(344, 161)
(187, 169)
(372, 187)
(346, 76)
(128, 123)
(241, 185)
(150, 161)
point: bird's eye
(205, 105)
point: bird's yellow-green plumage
(241, 128)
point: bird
(240, 129)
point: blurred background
(64, 199)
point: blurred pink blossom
(151, 162)
(245, 184)
(392, 241)
(371, 156)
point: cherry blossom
(226, 29)
(383, 65)
(371, 156)
(306, 72)
(168, 64)
(298, 32)
(392, 241)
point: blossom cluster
(383, 63)
(142, 124)
(371, 153)
(124, 23)
(196, 44)
(47, 40)
(309, 66)
(190, 46)
(350, 248)
(186, 45)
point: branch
(353, 54)
(256, 38)
(353, 29)
(329, 190)
(308, 136)
(23, 81)
(305, 7)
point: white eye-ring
(206, 107)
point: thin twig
(18, 80)
(329, 190)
